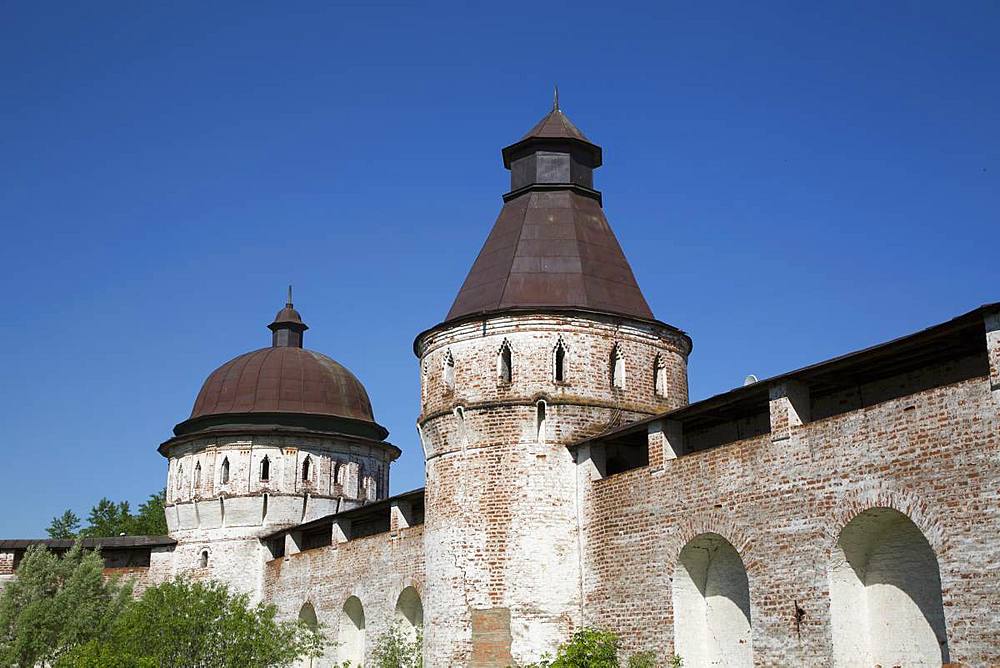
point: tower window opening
(197, 476)
(203, 559)
(449, 371)
(540, 421)
(659, 377)
(225, 471)
(617, 368)
(179, 482)
(505, 363)
(265, 469)
(306, 469)
(559, 362)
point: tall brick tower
(548, 341)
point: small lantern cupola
(553, 155)
(287, 327)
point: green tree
(151, 520)
(108, 518)
(193, 625)
(65, 526)
(56, 603)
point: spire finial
(289, 302)
(555, 98)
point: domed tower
(548, 341)
(277, 437)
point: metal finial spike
(555, 98)
(289, 303)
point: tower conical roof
(551, 246)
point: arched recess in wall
(410, 611)
(711, 597)
(351, 635)
(885, 594)
(225, 471)
(307, 615)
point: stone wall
(375, 569)
(782, 498)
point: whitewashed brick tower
(277, 437)
(549, 340)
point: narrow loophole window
(225, 471)
(306, 469)
(660, 377)
(263, 510)
(540, 421)
(265, 469)
(505, 363)
(449, 371)
(559, 362)
(197, 476)
(617, 368)
(203, 559)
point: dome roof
(283, 380)
(284, 386)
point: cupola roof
(284, 385)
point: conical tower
(548, 341)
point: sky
(790, 181)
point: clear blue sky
(791, 181)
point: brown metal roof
(551, 249)
(283, 380)
(555, 125)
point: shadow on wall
(712, 604)
(885, 590)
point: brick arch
(714, 522)
(876, 494)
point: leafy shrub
(642, 660)
(399, 648)
(594, 648)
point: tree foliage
(194, 625)
(108, 518)
(61, 611)
(55, 604)
(594, 648)
(65, 526)
(399, 648)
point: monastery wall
(367, 575)
(914, 459)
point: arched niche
(410, 611)
(885, 594)
(351, 634)
(711, 597)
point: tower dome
(284, 386)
